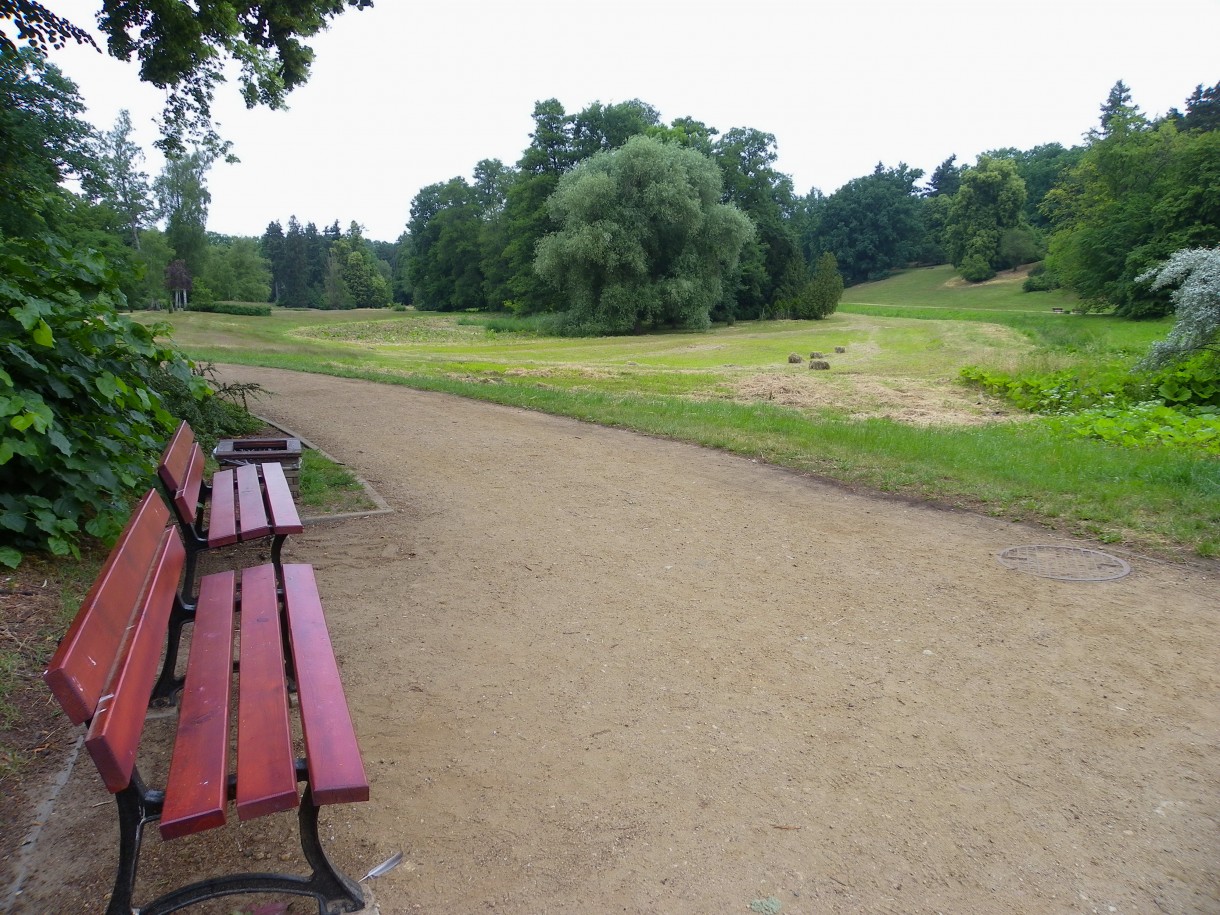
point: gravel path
(596, 671)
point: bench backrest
(104, 669)
(181, 471)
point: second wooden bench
(243, 503)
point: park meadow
(891, 414)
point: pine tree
(826, 286)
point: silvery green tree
(643, 241)
(1195, 272)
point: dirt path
(596, 672)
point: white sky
(410, 93)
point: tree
(1203, 109)
(179, 282)
(272, 247)
(43, 140)
(946, 178)
(601, 127)
(445, 270)
(183, 48)
(747, 158)
(644, 240)
(492, 179)
(237, 272)
(293, 278)
(872, 224)
(1196, 274)
(1137, 195)
(989, 203)
(127, 189)
(153, 257)
(827, 287)
(1041, 168)
(360, 275)
(182, 201)
(526, 217)
(1118, 112)
(686, 132)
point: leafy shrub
(81, 417)
(1146, 425)
(212, 416)
(232, 308)
(975, 269)
(1063, 392)
(1194, 382)
(1040, 280)
(1177, 407)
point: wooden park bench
(103, 674)
(248, 502)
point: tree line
(1095, 216)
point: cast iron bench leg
(334, 891)
(168, 683)
(137, 805)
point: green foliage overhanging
(80, 420)
(183, 48)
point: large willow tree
(644, 241)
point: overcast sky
(407, 94)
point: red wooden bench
(103, 674)
(241, 503)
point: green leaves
(80, 421)
(1147, 425)
(42, 334)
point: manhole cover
(1068, 563)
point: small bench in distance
(103, 674)
(243, 503)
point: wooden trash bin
(231, 452)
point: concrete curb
(383, 507)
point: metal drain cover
(1067, 563)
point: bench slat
(222, 518)
(187, 495)
(196, 793)
(280, 504)
(114, 733)
(336, 772)
(252, 511)
(266, 778)
(175, 466)
(82, 666)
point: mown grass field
(889, 415)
